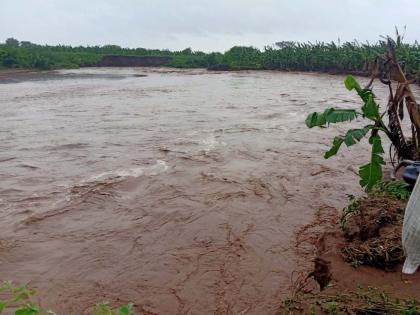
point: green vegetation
(349, 57)
(370, 173)
(387, 69)
(372, 225)
(363, 301)
(21, 300)
(351, 209)
(26, 55)
(396, 190)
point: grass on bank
(364, 301)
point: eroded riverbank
(180, 191)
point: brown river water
(178, 190)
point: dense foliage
(349, 57)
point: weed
(20, 300)
(394, 189)
(362, 301)
(352, 208)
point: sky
(213, 25)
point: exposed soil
(133, 61)
(373, 233)
(367, 255)
(16, 72)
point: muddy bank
(18, 76)
(4, 73)
(352, 254)
(178, 190)
(133, 61)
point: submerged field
(179, 190)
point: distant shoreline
(5, 72)
(14, 71)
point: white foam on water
(155, 169)
(160, 167)
(196, 143)
(209, 143)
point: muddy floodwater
(179, 191)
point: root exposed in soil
(372, 230)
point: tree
(12, 42)
(26, 44)
(187, 51)
(9, 60)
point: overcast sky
(213, 25)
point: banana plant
(371, 173)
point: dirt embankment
(11, 72)
(133, 61)
(360, 250)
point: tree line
(349, 57)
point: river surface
(178, 190)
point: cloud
(204, 25)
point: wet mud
(328, 247)
(179, 191)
